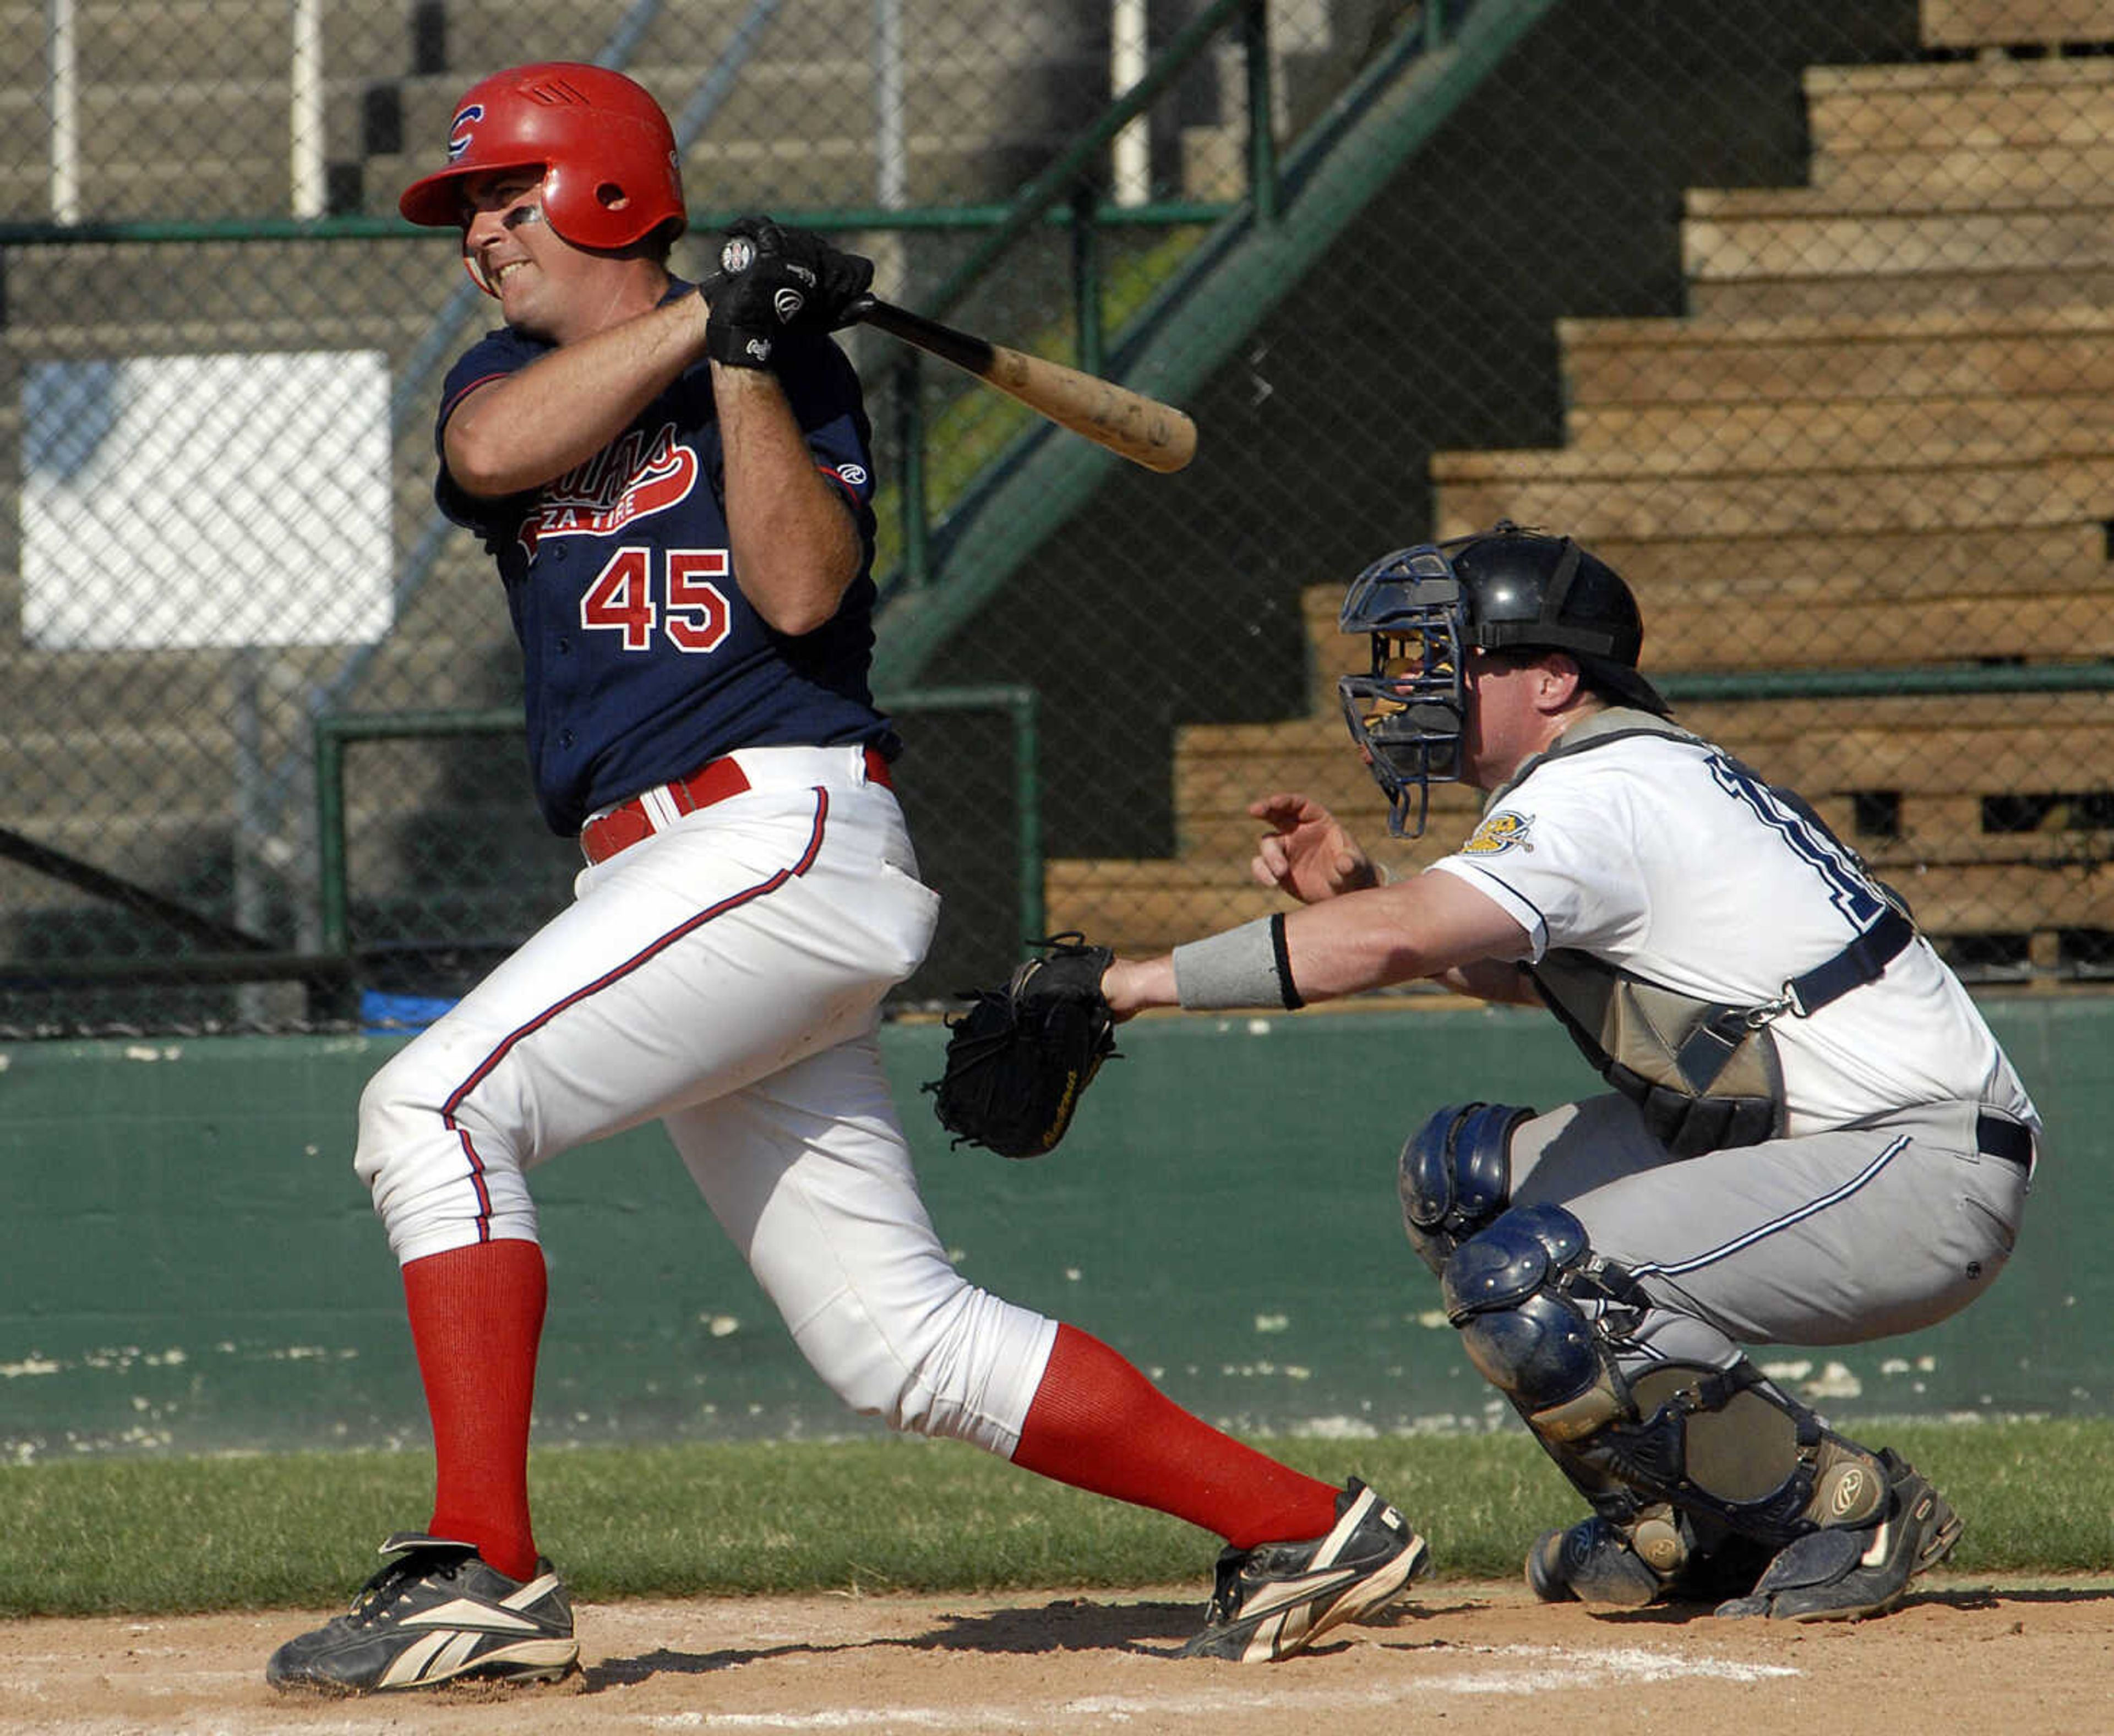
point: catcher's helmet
(1503, 589)
(610, 172)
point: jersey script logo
(626, 480)
(1850, 888)
(1503, 831)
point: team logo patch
(459, 130)
(1503, 831)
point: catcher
(1811, 1136)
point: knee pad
(1455, 1177)
(1509, 1290)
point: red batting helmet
(610, 174)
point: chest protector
(1706, 1075)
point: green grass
(156, 1536)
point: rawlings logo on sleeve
(1501, 832)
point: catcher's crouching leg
(1699, 1477)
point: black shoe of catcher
(1277, 1599)
(1844, 1575)
(436, 1614)
(1603, 1565)
(1592, 1561)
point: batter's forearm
(795, 543)
(520, 432)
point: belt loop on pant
(631, 822)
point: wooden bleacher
(1882, 437)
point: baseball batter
(1812, 1137)
(674, 484)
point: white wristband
(1244, 967)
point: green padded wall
(191, 1267)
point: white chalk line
(1519, 1669)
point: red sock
(477, 1313)
(1098, 1424)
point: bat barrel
(1141, 429)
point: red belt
(628, 822)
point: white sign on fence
(172, 501)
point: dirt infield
(1467, 1660)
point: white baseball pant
(725, 975)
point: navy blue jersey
(641, 657)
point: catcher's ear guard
(1020, 1057)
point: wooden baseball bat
(1128, 423)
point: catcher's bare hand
(1130, 985)
(1307, 853)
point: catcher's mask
(1503, 589)
(607, 156)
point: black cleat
(1656, 1558)
(436, 1614)
(1842, 1575)
(1277, 1599)
(1593, 1562)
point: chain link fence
(1798, 314)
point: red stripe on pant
(505, 1046)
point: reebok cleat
(437, 1614)
(1276, 1598)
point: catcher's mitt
(1019, 1058)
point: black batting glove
(773, 281)
(752, 311)
(835, 282)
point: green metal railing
(334, 733)
(331, 972)
(1021, 706)
(1255, 252)
(1902, 683)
